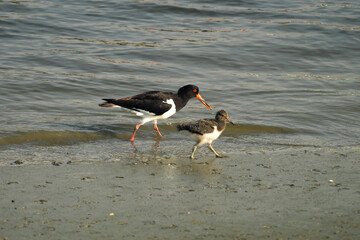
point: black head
(188, 91)
(191, 91)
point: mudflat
(305, 193)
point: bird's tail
(182, 126)
(108, 103)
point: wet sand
(305, 193)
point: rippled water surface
(287, 73)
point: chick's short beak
(228, 120)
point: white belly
(208, 137)
(167, 114)
(171, 111)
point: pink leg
(136, 128)
(156, 129)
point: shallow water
(287, 73)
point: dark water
(287, 73)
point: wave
(257, 129)
(53, 138)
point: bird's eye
(195, 90)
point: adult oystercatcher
(207, 130)
(155, 105)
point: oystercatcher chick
(207, 130)
(156, 105)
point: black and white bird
(156, 105)
(207, 130)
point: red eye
(195, 90)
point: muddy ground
(295, 194)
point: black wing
(153, 102)
(200, 127)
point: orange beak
(203, 101)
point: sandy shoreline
(289, 194)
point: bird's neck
(180, 102)
(221, 125)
